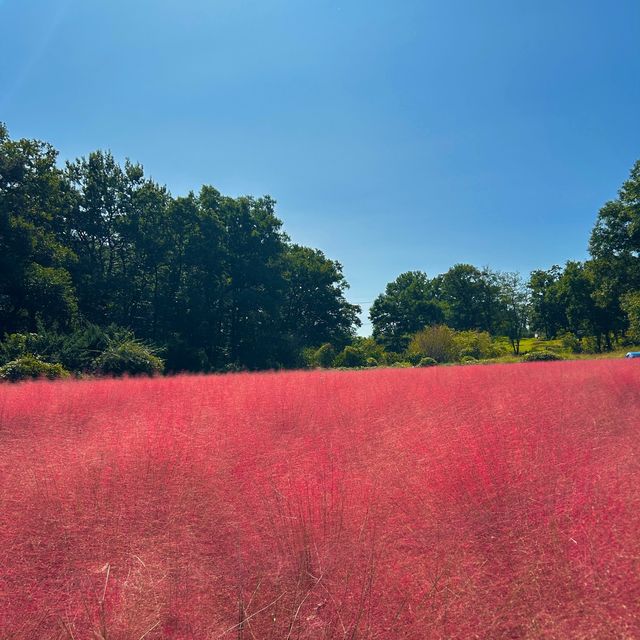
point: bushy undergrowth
(126, 355)
(28, 367)
(541, 356)
(446, 502)
(87, 349)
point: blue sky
(395, 135)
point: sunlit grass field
(451, 502)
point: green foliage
(350, 357)
(615, 249)
(470, 297)
(325, 356)
(216, 282)
(28, 367)
(317, 310)
(427, 362)
(570, 342)
(475, 344)
(514, 308)
(369, 348)
(590, 345)
(407, 305)
(401, 364)
(371, 362)
(14, 346)
(630, 304)
(541, 356)
(444, 344)
(126, 355)
(76, 350)
(437, 342)
(213, 280)
(468, 360)
(547, 312)
(554, 346)
(34, 256)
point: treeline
(592, 305)
(103, 270)
(98, 261)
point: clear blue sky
(395, 135)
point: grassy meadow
(450, 502)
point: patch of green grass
(533, 344)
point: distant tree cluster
(591, 305)
(212, 281)
(465, 298)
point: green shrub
(126, 355)
(402, 365)
(29, 367)
(541, 356)
(590, 345)
(371, 362)
(391, 357)
(437, 342)
(427, 362)
(350, 357)
(14, 346)
(468, 360)
(75, 350)
(476, 344)
(570, 342)
(552, 348)
(369, 348)
(325, 356)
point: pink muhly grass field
(461, 502)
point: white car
(633, 354)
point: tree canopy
(213, 281)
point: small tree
(514, 301)
(325, 355)
(437, 342)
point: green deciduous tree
(514, 308)
(615, 250)
(34, 260)
(408, 304)
(315, 309)
(547, 314)
(470, 296)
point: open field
(459, 502)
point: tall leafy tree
(575, 290)
(34, 260)
(254, 282)
(547, 311)
(514, 308)
(470, 296)
(97, 229)
(316, 310)
(408, 305)
(615, 249)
